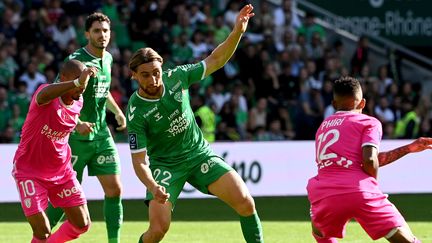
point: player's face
(149, 77)
(99, 34)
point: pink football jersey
(44, 151)
(338, 145)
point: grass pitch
(284, 219)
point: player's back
(338, 148)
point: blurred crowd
(277, 86)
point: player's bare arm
(226, 49)
(142, 170)
(55, 90)
(118, 113)
(418, 145)
(370, 160)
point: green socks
(251, 228)
(55, 215)
(113, 212)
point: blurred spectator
(205, 117)
(29, 32)
(408, 126)
(5, 115)
(384, 81)
(64, 32)
(7, 68)
(32, 77)
(258, 115)
(310, 113)
(383, 111)
(309, 27)
(360, 56)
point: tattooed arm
(418, 145)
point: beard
(151, 91)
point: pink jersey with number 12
(44, 152)
(338, 148)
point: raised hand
(86, 74)
(243, 18)
(420, 144)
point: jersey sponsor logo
(101, 89)
(133, 141)
(178, 125)
(68, 192)
(130, 115)
(158, 116)
(106, 159)
(27, 202)
(176, 86)
(154, 109)
(53, 135)
(174, 114)
(178, 96)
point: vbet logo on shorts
(68, 192)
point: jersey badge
(133, 141)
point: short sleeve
(372, 133)
(136, 132)
(192, 73)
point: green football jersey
(166, 127)
(95, 95)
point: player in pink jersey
(42, 162)
(346, 187)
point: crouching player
(42, 163)
(346, 187)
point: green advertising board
(407, 22)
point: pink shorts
(374, 212)
(34, 194)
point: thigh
(82, 152)
(378, 216)
(331, 215)
(67, 194)
(33, 195)
(105, 159)
(209, 171)
(40, 224)
(173, 179)
(111, 185)
(78, 215)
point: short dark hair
(346, 86)
(100, 17)
(72, 67)
(144, 55)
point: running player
(346, 187)
(42, 162)
(161, 124)
(92, 144)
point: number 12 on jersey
(324, 158)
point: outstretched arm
(226, 49)
(418, 145)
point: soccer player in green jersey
(161, 124)
(92, 144)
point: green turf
(285, 219)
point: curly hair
(99, 17)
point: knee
(114, 191)
(42, 232)
(85, 228)
(245, 206)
